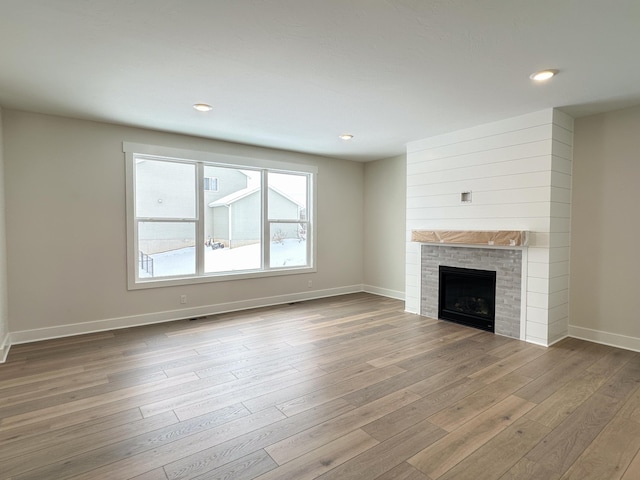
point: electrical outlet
(183, 299)
(310, 284)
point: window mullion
(200, 206)
(266, 226)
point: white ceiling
(293, 74)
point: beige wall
(605, 230)
(384, 226)
(66, 229)
(4, 319)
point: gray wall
(605, 228)
(384, 226)
(66, 227)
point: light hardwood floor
(348, 387)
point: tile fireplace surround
(502, 252)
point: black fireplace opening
(468, 297)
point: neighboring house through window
(198, 216)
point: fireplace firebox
(468, 297)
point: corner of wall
(5, 345)
(4, 316)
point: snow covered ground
(290, 253)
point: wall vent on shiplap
(519, 171)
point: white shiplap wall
(519, 173)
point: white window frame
(200, 158)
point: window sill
(213, 278)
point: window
(211, 184)
(197, 217)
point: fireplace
(467, 296)
(508, 263)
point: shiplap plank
(542, 117)
(526, 151)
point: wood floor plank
(404, 417)
(414, 379)
(347, 389)
(437, 459)
(471, 406)
(335, 384)
(84, 395)
(157, 474)
(631, 409)
(204, 390)
(43, 434)
(10, 377)
(564, 401)
(527, 469)
(50, 388)
(315, 437)
(87, 443)
(507, 364)
(385, 456)
(404, 471)
(624, 382)
(561, 351)
(547, 383)
(609, 455)
(429, 342)
(212, 458)
(77, 405)
(633, 471)
(319, 461)
(493, 459)
(130, 463)
(569, 440)
(245, 468)
(449, 373)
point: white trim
(132, 261)
(535, 342)
(605, 338)
(214, 277)
(384, 292)
(558, 340)
(222, 158)
(5, 345)
(524, 278)
(27, 336)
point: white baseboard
(27, 336)
(558, 340)
(5, 345)
(384, 292)
(605, 338)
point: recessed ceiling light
(542, 75)
(202, 107)
(345, 136)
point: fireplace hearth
(467, 296)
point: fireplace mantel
(498, 238)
